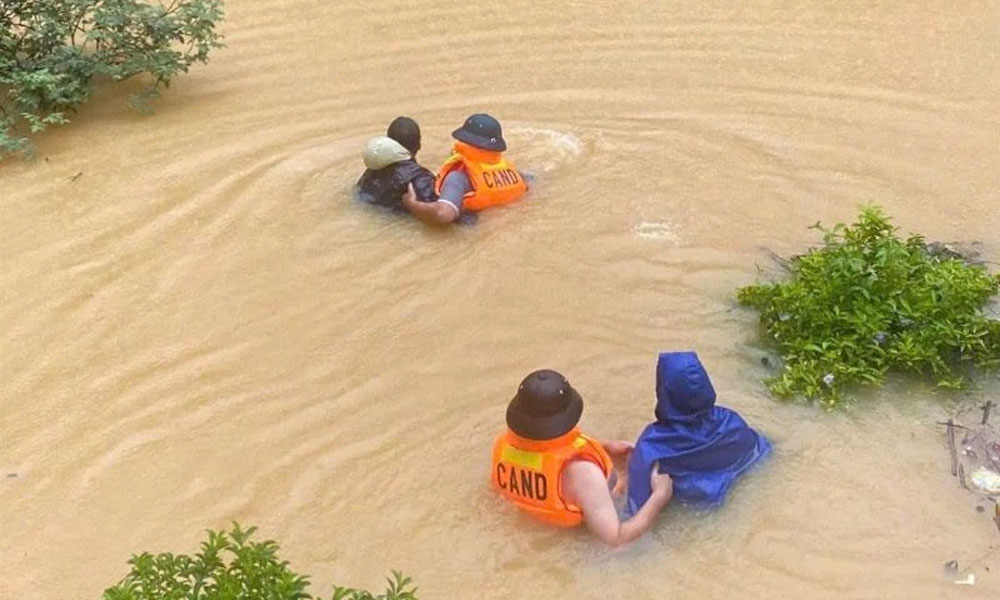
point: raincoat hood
(702, 446)
(684, 393)
(382, 151)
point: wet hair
(405, 131)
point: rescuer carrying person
(475, 177)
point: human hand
(620, 452)
(621, 482)
(661, 483)
(618, 448)
(410, 195)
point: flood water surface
(200, 326)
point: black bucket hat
(546, 406)
(481, 131)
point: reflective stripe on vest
(528, 472)
(495, 181)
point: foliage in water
(868, 302)
(51, 52)
(231, 566)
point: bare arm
(585, 485)
(619, 451)
(617, 447)
(432, 213)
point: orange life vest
(495, 181)
(529, 472)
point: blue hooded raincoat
(702, 446)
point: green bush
(51, 51)
(867, 303)
(231, 566)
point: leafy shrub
(868, 302)
(50, 51)
(231, 567)
(398, 589)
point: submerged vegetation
(867, 303)
(231, 566)
(50, 53)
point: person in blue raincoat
(702, 446)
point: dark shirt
(386, 186)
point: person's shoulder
(723, 412)
(581, 469)
(582, 479)
(405, 165)
(411, 168)
(422, 170)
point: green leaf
(867, 303)
(232, 566)
(62, 47)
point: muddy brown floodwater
(202, 327)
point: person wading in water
(547, 467)
(475, 177)
(392, 169)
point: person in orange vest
(547, 467)
(475, 177)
